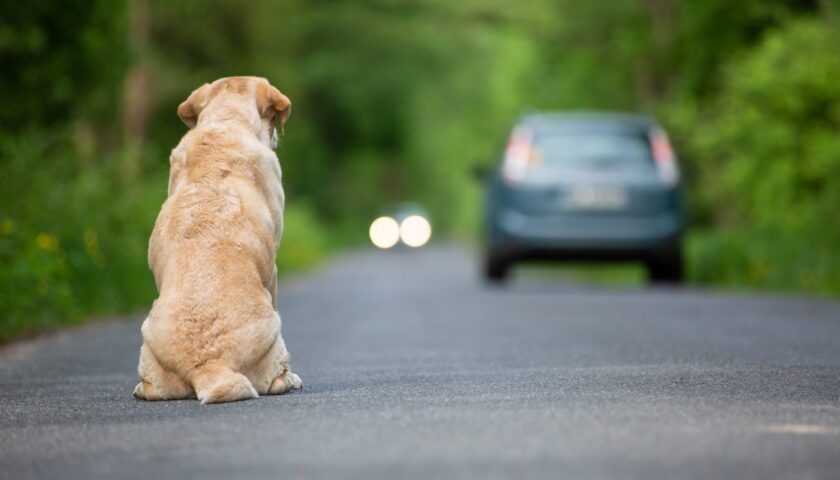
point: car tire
(496, 269)
(667, 266)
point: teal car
(585, 187)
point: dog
(213, 332)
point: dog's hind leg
(285, 380)
(271, 374)
(157, 383)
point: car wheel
(496, 269)
(666, 267)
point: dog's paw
(140, 391)
(284, 383)
(294, 381)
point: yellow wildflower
(47, 242)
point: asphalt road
(413, 369)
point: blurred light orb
(415, 231)
(384, 232)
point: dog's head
(251, 98)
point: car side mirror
(481, 173)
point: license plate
(590, 197)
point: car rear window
(592, 151)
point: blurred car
(586, 187)
(407, 224)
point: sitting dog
(213, 332)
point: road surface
(413, 369)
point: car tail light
(517, 155)
(663, 155)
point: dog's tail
(215, 383)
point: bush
(304, 243)
(74, 237)
(763, 260)
(764, 157)
(769, 142)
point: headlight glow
(415, 231)
(384, 232)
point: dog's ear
(190, 108)
(271, 102)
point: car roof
(606, 122)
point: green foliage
(763, 260)
(766, 155)
(72, 240)
(59, 60)
(304, 243)
(771, 137)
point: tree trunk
(650, 86)
(136, 88)
(828, 11)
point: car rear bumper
(584, 236)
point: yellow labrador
(213, 332)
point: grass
(596, 274)
(763, 260)
(743, 260)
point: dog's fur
(213, 332)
